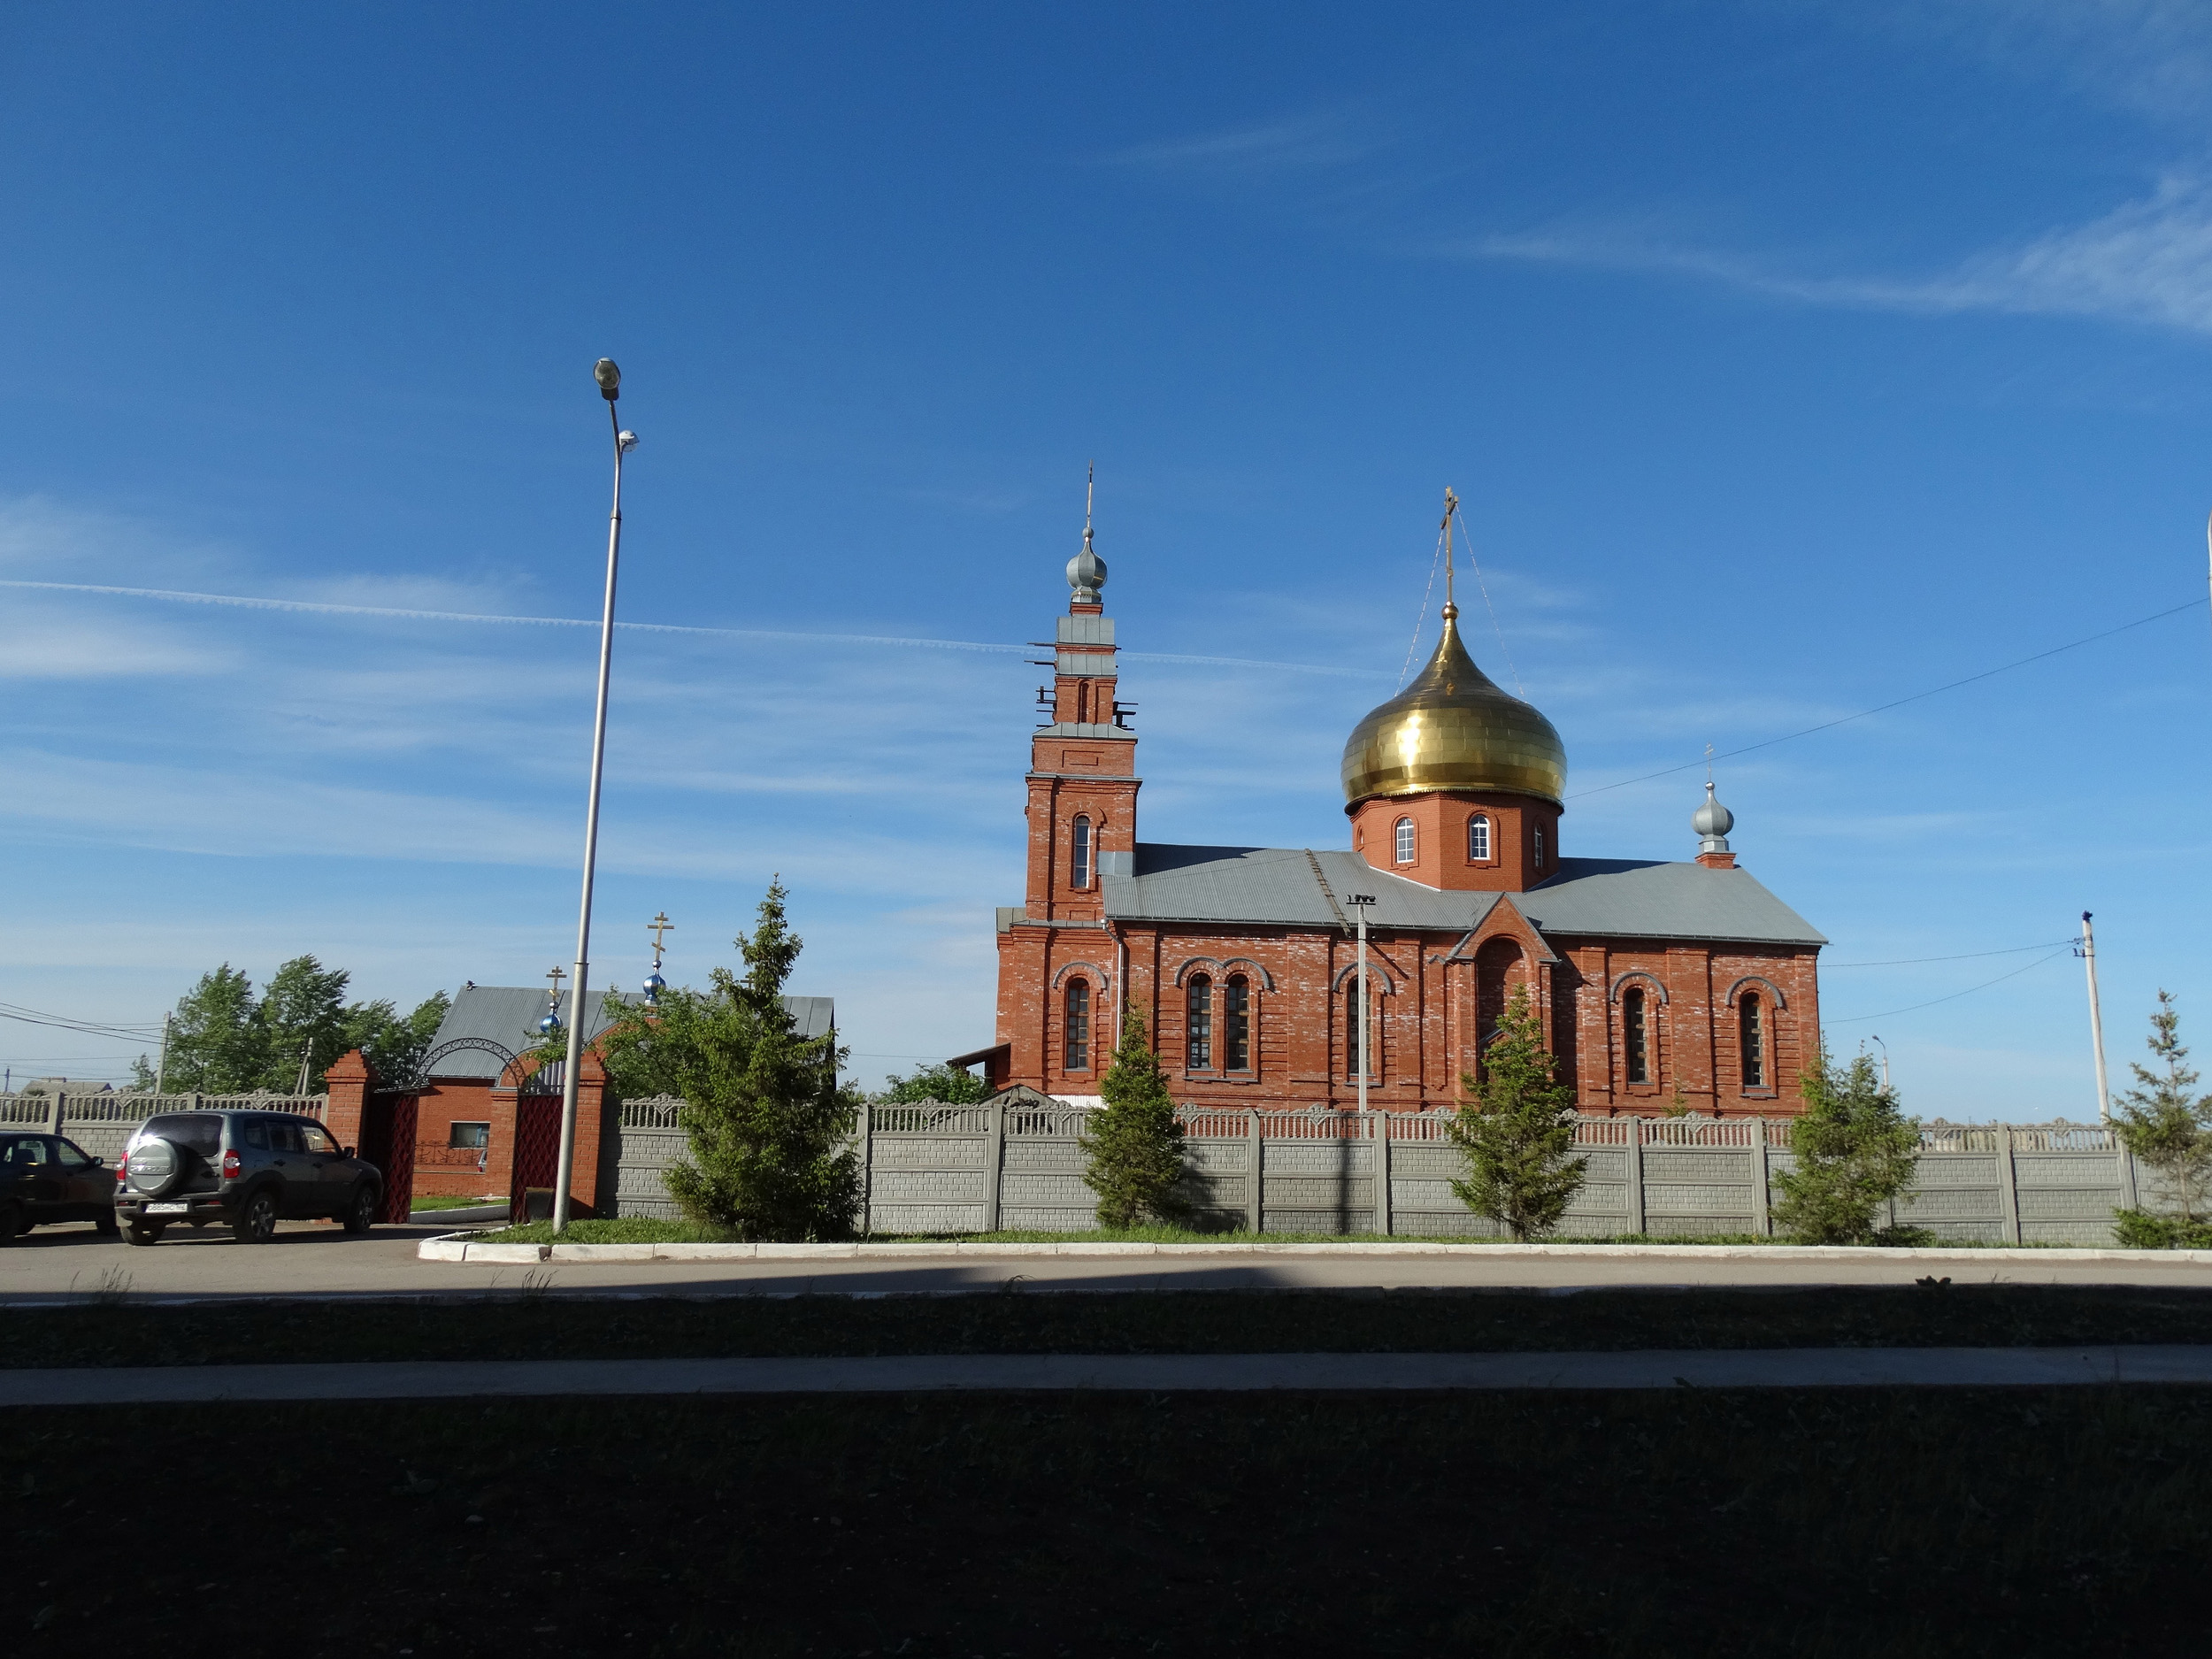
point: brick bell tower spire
(1083, 760)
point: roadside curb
(462, 1247)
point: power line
(86, 1027)
(1825, 726)
(1859, 1019)
(1907, 962)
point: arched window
(1236, 1024)
(1078, 1026)
(1478, 839)
(1351, 1033)
(1079, 860)
(1198, 1028)
(1635, 1040)
(1540, 847)
(1751, 1032)
(1405, 840)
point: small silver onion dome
(1086, 573)
(654, 986)
(1712, 822)
(550, 1024)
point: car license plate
(166, 1210)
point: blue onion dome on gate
(654, 986)
(1453, 728)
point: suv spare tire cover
(156, 1167)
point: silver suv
(245, 1169)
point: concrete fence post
(1762, 1198)
(54, 1110)
(1379, 1128)
(1635, 1175)
(2126, 1162)
(993, 1158)
(867, 1169)
(1253, 1208)
(2008, 1188)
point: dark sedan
(44, 1178)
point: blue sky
(1788, 363)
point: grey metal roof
(1640, 900)
(1282, 887)
(508, 1015)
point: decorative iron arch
(426, 1067)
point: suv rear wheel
(360, 1210)
(10, 1221)
(142, 1232)
(256, 1219)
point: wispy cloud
(2148, 261)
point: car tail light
(122, 1169)
(230, 1166)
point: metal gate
(537, 1151)
(387, 1141)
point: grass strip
(1821, 1522)
(532, 1323)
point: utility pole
(1884, 1061)
(1362, 902)
(161, 1071)
(2096, 1019)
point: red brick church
(1657, 982)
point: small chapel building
(1661, 986)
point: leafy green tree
(1855, 1152)
(394, 1043)
(769, 1125)
(217, 1042)
(953, 1084)
(1133, 1144)
(226, 1040)
(304, 1012)
(2166, 1123)
(1517, 1130)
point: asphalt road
(317, 1259)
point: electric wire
(1825, 726)
(1907, 962)
(1859, 1019)
(1420, 621)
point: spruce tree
(1517, 1130)
(1134, 1145)
(1855, 1152)
(770, 1129)
(2166, 1123)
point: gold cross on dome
(658, 925)
(557, 974)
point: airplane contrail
(318, 607)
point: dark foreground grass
(1836, 1522)
(542, 1326)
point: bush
(1856, 1154)
(1517, 1130)
(2141, 1230)
(2166, 1123)
(1134, 1145)
(769, 1128)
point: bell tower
(1082, 760)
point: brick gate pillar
(349, 1082)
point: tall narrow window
(1079, 1031)
(1198, 1026)
(1478, 839)
(1405, 840)
(1540, 847)
(1752, 1029)
(1351, 1033)
(1635, 1040)
(1236, 1024)
(1079, 860)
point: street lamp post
(609, 379)
(1362, 901)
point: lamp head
(609, 379)
(625, 440)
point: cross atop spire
(1451, 509)
(1087, 572)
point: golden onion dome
(1452, 728)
